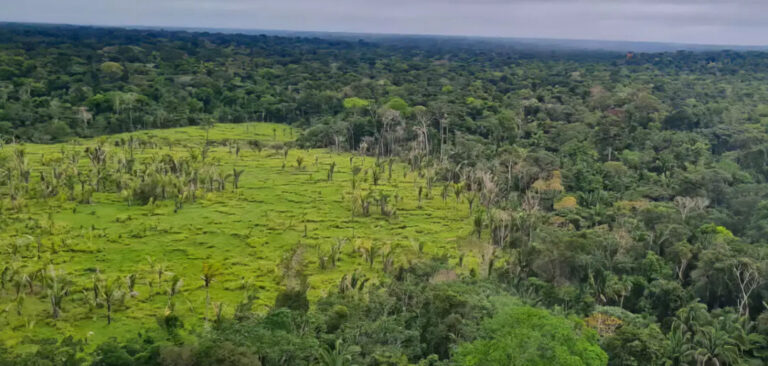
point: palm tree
(97, 284)
(158, 269)
(713, 346)
(355, 172)
(691, 318)
(130, 282)
(236, 178)
(58, 285)
(174, 288)
(111, 293)
(340, 355)
(330, 170)
(458, 189)
(210, 272)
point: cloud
(694, 21)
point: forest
(181, 198)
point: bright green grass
(266, 132)
(247, 232)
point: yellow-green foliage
(553, 184)
(567, 202)
(246, 233)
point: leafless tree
(748, 277)
(688, 205)
(422, 129)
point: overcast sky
(733, 22)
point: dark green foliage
(293, 299)
(521, 335)
(111, 353)
(592, 181)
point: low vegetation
(104, 235)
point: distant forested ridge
(619, 200)
(58, 82)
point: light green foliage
(355, 103)
(111, 69)
(246, 232)
(399, 105)
(522, 335)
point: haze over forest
(733, 23)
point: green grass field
(248, 232)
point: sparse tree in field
(98, 157)
(174, 287)
(111, 294)
(445, 192)
(388, 261)
(330, 171)
(204, 151)
(207, 124)
(376, 175)
(97, 283)
(421, 194)
(299, 162)
(489, 189)
(130, 283)
(57, 289)
(424, 119)
(489, 258)
(355, 173)
(158, 269)
(458, 189)
(21, 163)
(478, 221)
(354, 282)
(209, 274)
(336, 251)
(443, 132)
(236, 178)
(369, 252)
(322, 259)
(383, 200)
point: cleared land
(247, 232)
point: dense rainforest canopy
(622, 199)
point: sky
(722, 22)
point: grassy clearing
(248, 233)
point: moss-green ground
(247, 232)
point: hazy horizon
(704, 22)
